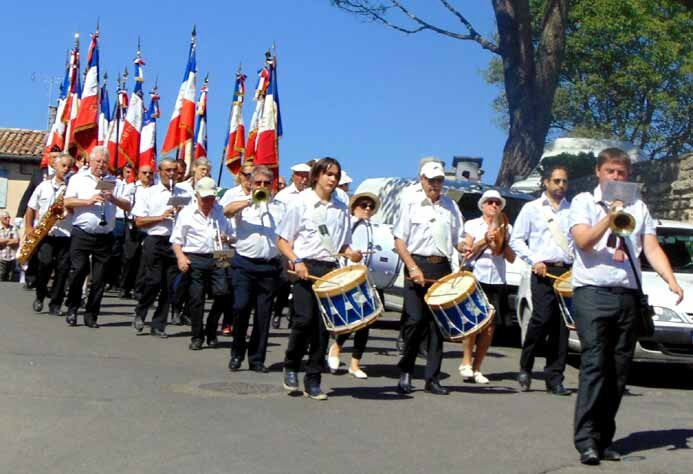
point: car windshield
(678, 245)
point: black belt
(616, 290)
(558, 264)
(431, 258)
(200, 255)
(313, 261)
(262, 261)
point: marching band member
(363, 206)
(281, 183)
(193, 239)
(125, 188)
(9, 242)
(314, 229)
(425, 235)
(200, 169)
(606, 303)
(181, 170)
(256, 268)
(92, 235)
(299, 180)
(489, 270)
(155, 216)
(54, 250)
(132, 264)
(539, 238)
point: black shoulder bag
(646, 326)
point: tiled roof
(21, 143)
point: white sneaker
(359, 374)
(479, 378)
(466, 371)
(332, 361)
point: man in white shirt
(315, 228)
(299, 182)
(606, 302)
(92, 235)
(199, 229)
(54, 250)
(155, 216)
(125, 187)
(426, 234)
(540, 238)
(256, 269)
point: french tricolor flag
(129, 145)
(104, 115)
(182, 123)
(259, 98)
(235, 139)
(56, 136)
(72, 105)
(270, 123)
(86, 124)
(201, 127)
(148, 138)
(115, 130)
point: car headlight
(667, 315)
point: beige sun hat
(357, 197)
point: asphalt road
(78, 400)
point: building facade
(20, 157)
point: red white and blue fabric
(259, 98)
(116, 130)
(129, 145)
(72, 105)
(201, 126)
(56, 135)
(235, 139)
(269, 124)
(104, 116)
(148, 136)
(86, 124)
(181, 125)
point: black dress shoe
(158, 333)
(404, 386)
(55, 311)
(37, 305)
(610, 454)
(434, 387)
(262, 369)
(235, 363)
(558, 389)
(525, 381)
(92, 324)
(290, 381)
(71, 317)
(589, 456)
(212, 342)
(138, 323)
(195, 345)
(276, 322)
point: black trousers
(113, 272)
(546, 323)
(131, 277)
(498, 296)
(605, 319)
(223, 304)
(308, 328)
(161, 267)
(53, 254)
(283, 292)
(419, 322)
(82, 246)
(203, 276)
(360, 341)
(255, 283)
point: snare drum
(459, 306)
(563, 286)
(347, 300)
(381, 259)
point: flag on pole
(72, 105)
(56, 135)
(270, 123)
(129, 144)
(201, 126)
(104, 114)
(86, 125)
(181, 125)
(235, 139)
(259, 98)
(116, 127)
(148, 139)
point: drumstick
(363, 252)
(552, 276)
(313, 277)
(426, 280)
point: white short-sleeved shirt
(488, 268)
(596, 267)
(235, 194)
(287, 194)
(83, 186)
(256, 229)
(153, 201)
(126, 191)
(318, 229)
(197, 233)
(430, 228)
(42, 199)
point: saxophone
(55, 212)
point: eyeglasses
(247, 175)
(146, 172)
(493, 202)
(366, 205)
(559, 181)
(262, 183)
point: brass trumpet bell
(261, 195)
(622, 223)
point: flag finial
(139, 46)
(97, 25)
(105, 76)
(77, 40)
(125, 75)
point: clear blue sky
(373, 98)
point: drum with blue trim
(459, 306)
(563, 286)
(347, 300)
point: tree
(626, 74)
(530, 68)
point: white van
(466, 194)
(673, 338)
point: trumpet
(261, 195)
(622, 223)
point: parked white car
(673, 338)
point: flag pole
(223, 152)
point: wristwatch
(297, 260)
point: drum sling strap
(558, 236)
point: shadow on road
(645, 440)
(662, 376)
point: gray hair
(201, 162)
(60, 156)
(4, 214)
(99, 150)
(263, 171)
(167, 159)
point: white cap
(300, 168)
(432, 170)
(345, 178)
(206, 187)
(491, 194)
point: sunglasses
(145, 172)
(559, 181)
(262, 183)
(366, 205)
(247, 175)
(493, 202)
